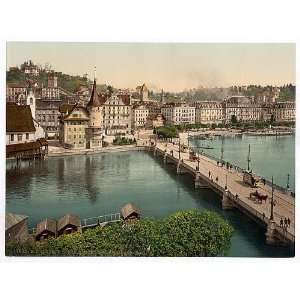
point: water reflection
(100, 184)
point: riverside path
(236, 194)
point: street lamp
(222, 150)
(198, 161)
(288, 182)
(248, 158)
(226, 182)
(179, 147)
(272, 202)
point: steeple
(94, 100)
(162, 96)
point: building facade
(154, 121)
(73, 128)
(208, 112)
(142, 92)
(116, 114)
(179, 113)
(242, 108)
(139, 116)
(16, 92)
(284, 111)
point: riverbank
(60, 151)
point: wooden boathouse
(45, 229)
(68, 224)
(130, 212)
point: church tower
(162, 97)
(94, 130)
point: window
(27, 136)
(11, 137)
(19, 137)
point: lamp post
(248, 158)
(226, 182)
(198, 161)
(222, 150)
(288, 182)
(272, 203)
(179, 147)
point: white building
(284, 111)
(139, 116)
(208, 112)
(178, 114)
(116, 114)
(243, 108)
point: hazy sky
(173, 67)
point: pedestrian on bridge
(285, 222)
(281, 222)
(217, 179)
(208, 174)
(288, 222)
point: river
(98, 184)
(270, 155)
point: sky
(170, 66)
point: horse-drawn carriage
(193, 156)
(258, 197)
(249, 179)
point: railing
(93, 221)
(32, 230)
(261, 216)
(241, 170)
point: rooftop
(19, 118)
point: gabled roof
(65, 108)
(68, 219)
(19, 118)
(129, 209)
(47, 224)
(12, 219)
(95, 100)
(68, 116)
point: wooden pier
(228, 183)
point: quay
(235, 193)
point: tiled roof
(19, 118)
(12, 219)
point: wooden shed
(45, 229)
(16, 227)
(68, 224)
(130, 212)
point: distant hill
(68, 82)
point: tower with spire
(95, 108)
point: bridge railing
(261, 216)
(242, 170)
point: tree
(185, 233)
(233, 119)
(110, 89)
(272, 120)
